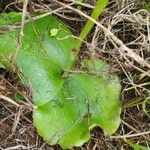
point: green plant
(136, 146)
(67, 102)
(88, 26)
(146, 6)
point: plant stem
(88, 26)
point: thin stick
(25, 3)
(16, 121)
(129, 136)
(15, 147)
(79, 2)
(9, 100)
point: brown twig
(9, 100)
(25, 3)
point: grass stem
(88, 26)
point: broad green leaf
(67, 107)
(97, 67)
(50, 56)
(9, 19)
(86, 101)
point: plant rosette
(66, 107)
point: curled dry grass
(128, 23)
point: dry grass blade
(16, 120)
(25, 3)
(9, 100)
(130, 135)
(14, 147)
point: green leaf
(49, 56)
(66, 106)
(9, 19)
(136, 146)
(87, 101)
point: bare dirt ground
(131, 24)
